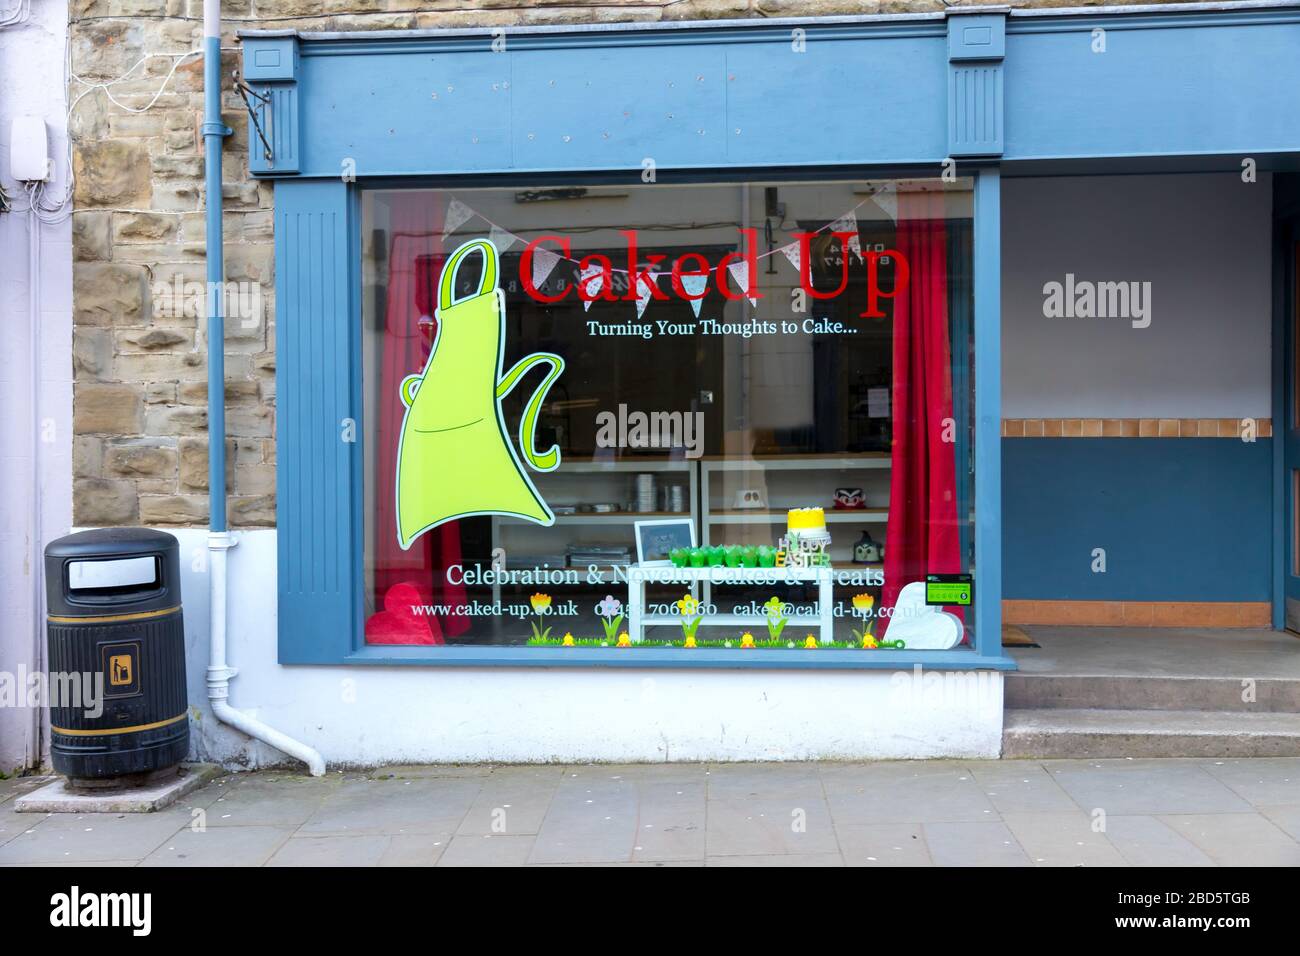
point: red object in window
(414, 263)
(405, 618)
(922, 536)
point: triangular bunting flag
(457, 215)
(544, 263)
(644, 284)
(849, 223)
(740, 274)
(695, 285)
(503, 239)
(791, 252)
(593, 280)
(886, 197)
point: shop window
(725, 416)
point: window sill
(672, 658)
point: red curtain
(922, 536)
(416, 576)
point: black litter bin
(115, 627)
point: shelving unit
(793, 481)
(616, 517)
(870, 515)
(786, 481)
(597, 482)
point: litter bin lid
(112, 570)
(103, 542)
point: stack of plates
(645, 492)
(580, 556)
(522, 562)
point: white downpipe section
(219, 539)
(220, 673)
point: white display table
(639, 576)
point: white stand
(639, 577)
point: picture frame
(656, 538)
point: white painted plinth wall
(378, 715)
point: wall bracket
(268, 85)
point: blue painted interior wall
(1183, 519)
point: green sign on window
(942, 589)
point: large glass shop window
(709, 416)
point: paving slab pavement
(1170, 812)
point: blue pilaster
(988, 412)
(318, 366)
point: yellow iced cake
(803, 520)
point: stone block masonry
(139, 349)
(139, 343)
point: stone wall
(140, 395)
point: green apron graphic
(455, 458)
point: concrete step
(1064, 732)
(1032, 691)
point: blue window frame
(322, 476)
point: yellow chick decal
(624, 640)
(568, 640)
(747, 640)
(810, 643)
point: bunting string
(592, 278)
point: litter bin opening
(111, 570)
(109, 577)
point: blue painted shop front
(1064, 495)
(978, 95)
